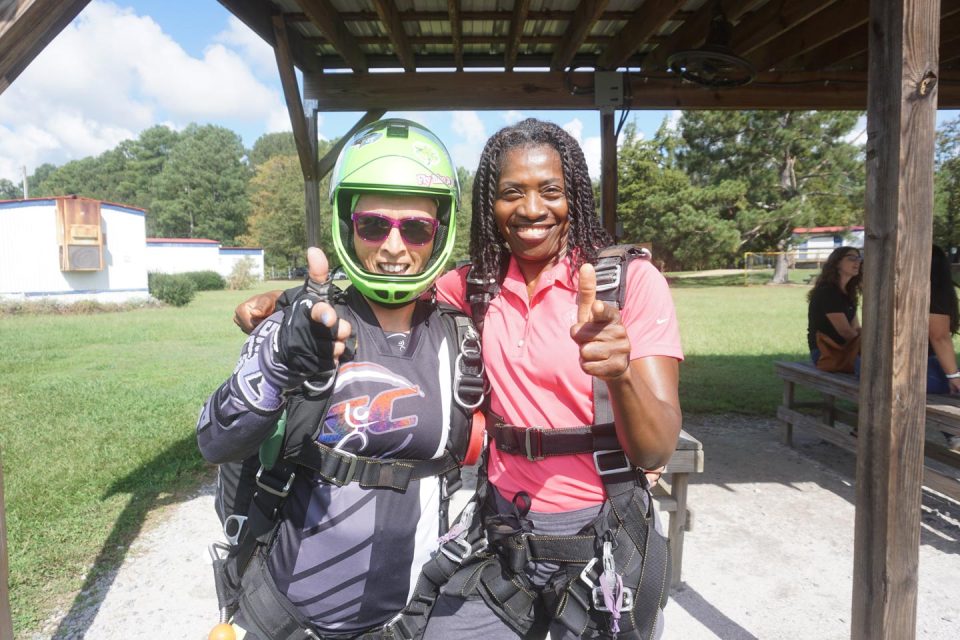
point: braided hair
(585, 235)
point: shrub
(175, 289)
(207, 280)
(241, 276)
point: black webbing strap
(340, 467)
(481, 290)
(611, 270)
(536, 443)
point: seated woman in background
(833, 331)
(942, 373)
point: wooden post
(6, 621)
(608, 174)
(902, 102)
(303, 121)
(312, 185)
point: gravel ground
(770, 554)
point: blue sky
(123, 66)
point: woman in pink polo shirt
(564, 528)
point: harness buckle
(471, 383)
(342, 456)
(528, 439)
(584, 577)
(280, 493)
(608, 275)
(605, 472)
(235, 524)
(599, 605)
(393, 629)
(462, 551)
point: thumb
(317, 266)
(587, 293)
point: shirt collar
(560, 274)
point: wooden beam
(258, 16)
(772, 19)
(324, 17)
(830, 53)
(548, 90)
(499, 40)
(28, 26)
(311, 187)
(291, 93)
(472, 16)
(390, 18)
(854, 43)
(330, 158)
(608, 173)
(693, 32)
(646, 21)
(517, 21)
(456, 32)
(901, 119)
(834, 21)
(470, 60)
(584, 17)
(949, 51)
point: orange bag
(836, 357)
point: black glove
(305, 347)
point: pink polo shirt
(533, 366)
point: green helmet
(397, 157)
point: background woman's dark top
(824, 300)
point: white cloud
(673, 120)
(112, 73)
(575, 129)
(591, 152)
(469, 126)
(513, 116)
(279, 120)
(858, 135)
(591, 146)
(472, 137)
(251, 47)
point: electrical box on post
(79, 234)
(608, 89)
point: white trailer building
(68, 248)
(179, 255)
(814, 244)
(230, 256)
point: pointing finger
(587, 290)
(324, 314)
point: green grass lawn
(731, 337)
(99, 412)
(98, 428)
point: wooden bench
(836, 424)
(670, 495)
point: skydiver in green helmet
(378, 416)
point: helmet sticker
(427, 180)
(373, 136)
(426, 154)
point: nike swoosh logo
(661, 320)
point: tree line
(701, 191)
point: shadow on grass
(154, 484)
